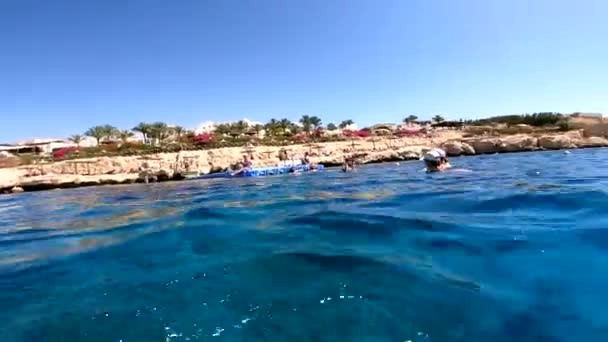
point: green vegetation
(144, 129)
(536, 119)
(346, 123)
(159, 132)
(76, 138)
(258, 129)
(310, 123)
(410, 119)
(95, 132)
(160, 137)
(124, 135)
(179, 131)
(438, 118)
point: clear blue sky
(66, 65)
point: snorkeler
(436, 160)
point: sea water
(515, 250)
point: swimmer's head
(435, 160)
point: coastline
(175, 166)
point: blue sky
(66, 65)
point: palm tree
(144, 129)
(159, 131)
(179, 131)
(76, 139)
(331, 127)
(286, 127)
(345, 123)
(239, 127)
(272, 127)
(97, 132)
(294, 129)
(315, 121)
(124, 135)
(222, 129)
(410, 119)
(438, 118)
(110, 131)
(258, 129)
(306, 123)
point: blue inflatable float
(262, 171)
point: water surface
(516, 250)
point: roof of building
(40, 141)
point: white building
(88, 142)
(37, 146)
(209, 126)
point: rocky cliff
(158, 167)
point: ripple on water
(503, 253)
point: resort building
(37, 146)
(209, 126)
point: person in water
(306, 161)
(349, 165)
(436, 160)
(247, 163)
(240, 167)
(283, 157)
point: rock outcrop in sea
(166, 166)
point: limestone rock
(555, 142)
(592, 142)
(518, 143)
(410, 155)
(516, 129)
(575, 135)
(162, 166)
(10, 177)
(458, 148)
(16, 189)
(479, 130)
(485, 145)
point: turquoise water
(515, 251)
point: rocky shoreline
(175, 166)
